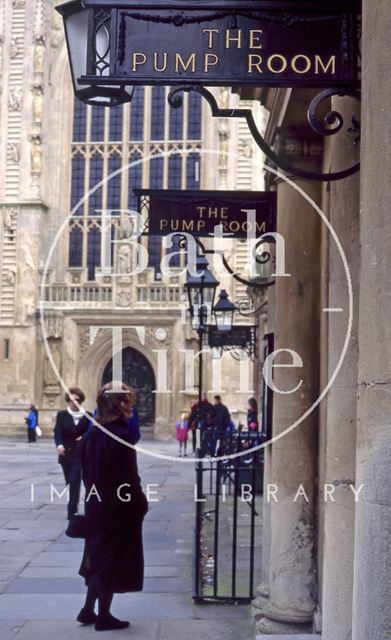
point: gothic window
(110, 140)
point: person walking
(182, 434)
(200, 415)
(252, 415)
(69, 428)
(31, 422)
(115, 506)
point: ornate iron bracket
(331, 125)
(256, 283)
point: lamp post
(224, 311)
(201, 292)
(88, 33)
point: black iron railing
(228, 519)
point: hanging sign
(229, 43)
(199, 212)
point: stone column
(372, 559)
(292, 570)
(341, 405)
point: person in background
(133, 426)
(182, 434)
(252, 415)
(31, 421)
(34, 408)
(115, 507)
(69, 428)
(199, 412)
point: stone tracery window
(105, 140)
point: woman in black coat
(115, 506)
(70, 426)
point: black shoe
(109, 623)
(86, 617)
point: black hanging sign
(231, 43)
(199, 212)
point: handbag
(77, 527)
(38, 431)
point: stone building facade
(53, 150)
(326, 540)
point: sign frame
(209, 198)
(288, 13)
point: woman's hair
(253, 404)
(75, 391)
(113, 404)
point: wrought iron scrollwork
(256, 283)
(332, 124)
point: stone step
(290, 636)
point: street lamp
(201, 292)
(88, 33)
(201, 289)
(224, 311)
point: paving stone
(8, 629)
(62, 606)
(290, 637)
(140, 630)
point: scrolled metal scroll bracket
(331, 125)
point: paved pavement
(40, 590)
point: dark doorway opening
(138, 374)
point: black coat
(113, 554)
(67, 434)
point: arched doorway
(138, 374)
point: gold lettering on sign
(156, 60)
(185, 65)
(237, 39)
(210, 33)
(325, 67)
(254, 39)
(138, 59)
(282, 61)
(254, 62)
(301, 57)
(210, 61)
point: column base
(257, 606)
(269, 627)
(289, 616)
(263, 590)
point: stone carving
(49, 375)
(245, 148)
(10, 276)
(15, 99)
(37, 92)
(142, 278)
(123, 298)
(54, 324)
(15, 48)
(84, 341)
(39, 53)
(18, 4)
(13, 152)
(161, 335)
(35, 153)
(9, 219)
(124, 259)
(126, 228)
(27, 261)
(56, 31)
